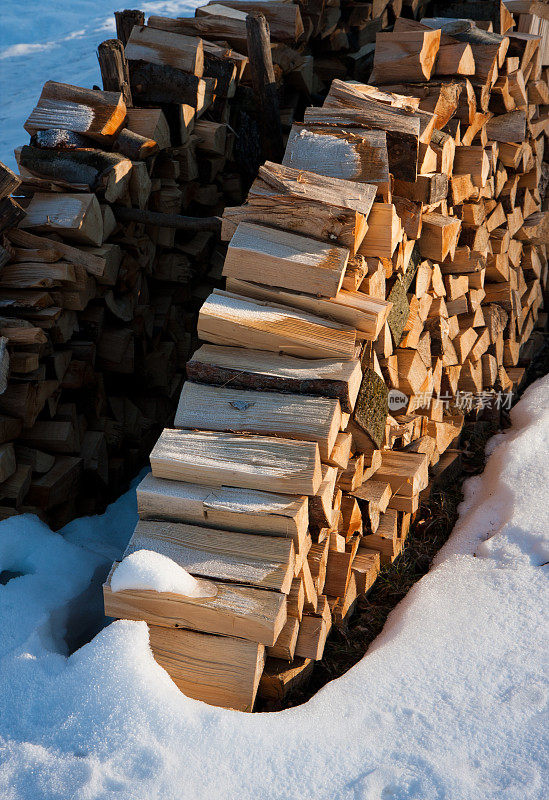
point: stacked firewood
(381, 282)
(101, 277)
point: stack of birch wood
(393, 264)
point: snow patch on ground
(450, 701)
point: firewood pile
(384, 279)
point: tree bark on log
(265, 88)
(125, 20)
(114, 69)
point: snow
(450, 701)
(146, 569)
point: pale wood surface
(357, 310)
(219, 670)
(215, 408)
(230, 319)
(235, 509)
(278, 258)
(262, 561)
(250, 462)
(257, 615)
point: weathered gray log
(265, 88)
(125, 20)
(114, 68)
(177, 221)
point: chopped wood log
(134, 146)
(185, 53)
(405, 55)
(261, 561)
(264, 85)
(76, 216)
(230, 509)
(278, 258)
(11, 214)
(162, 84)
(352, 309)
(87, 259)
(353, 155)
(219, 670)
(114, 69)
(273, 372)
(125, 22)
(9, 181)
(257, 615)
(229, 319)
(99, 115)
(315, 419)
(250, 462)
(105, 173)
(150, 123)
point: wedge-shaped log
(99, 115)
(405, 55)
(294, 416)
(161, 47)
(279, 258)
(300, 183)
(231, 509)
(257, 615)
(439, 236)
(354, 155)
(220, 22)
(263, 561)
(76, 216)
(384, 232)
(250, 462)
(406, 472)
(284, 18)
(230, 319)
(354, 309)
(219, 670)
(52, 250)
(258, 369)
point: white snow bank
(449, 703)
(145, 569)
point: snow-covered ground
(449, 702)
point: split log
(249, 462)
(257, 369)
(99, 115)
